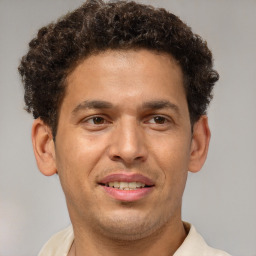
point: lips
(127, 187)
(123, 177)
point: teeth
(126, 185)
(111, 184)
(140, 184)
(132, 185)
(123, 185)
(116, 184)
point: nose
(128, 143)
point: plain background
(220, 200)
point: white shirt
(193, 245)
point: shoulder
(195, 245)
(58, 244)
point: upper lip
(127, 177)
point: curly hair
(97, 26)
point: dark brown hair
(97, 26)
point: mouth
(122, 185)
(126, 187)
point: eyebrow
(99, 104)
(92, 104)
(160, 104)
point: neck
(164, 242)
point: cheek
(172, 156)
(172, 153)
(78, 154)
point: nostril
(115, 158)
(139, 158)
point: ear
(43, 146)
(200, 144)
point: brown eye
(159, 122)
(159, 119)
(96, 123)
(98, 120)
(95, 120)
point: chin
(129, 226)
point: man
(119, 93)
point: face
(123, 143)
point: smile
(126, 187)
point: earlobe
(200, 144)
(43, 146)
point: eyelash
(165, 119)
(166, 122)
(151, 117)
(93, 118)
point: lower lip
(127, 195)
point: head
(96, 27)
(115, 89)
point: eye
(158, 120)
(96, 123)
(96, 120)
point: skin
(125, 137)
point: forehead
(121, 76)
